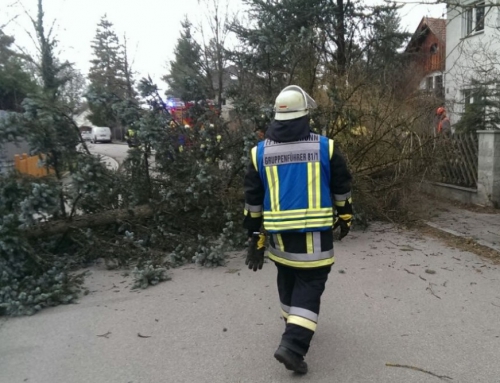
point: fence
(456, 160)
(30, 165)
(466, 168)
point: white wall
(476, 55)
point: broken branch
(418, 369)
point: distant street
(118, 151)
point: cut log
(50, 228)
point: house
(82, 118)
(426, 51)
(472, 53)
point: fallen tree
(178, 196)
(51, 228)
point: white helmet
(293, 102)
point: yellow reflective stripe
(252, 214)
(301, 264)
(284, 314)
(309, 243)
(280, 242)
(331, 145)
(302, 322)
(299, 213)
(345, 217)
(310, 181)
(270, 185)
(317, 176)
(274, 187)
(254, 157)
(291, 219)
(299, 224)
(343, 202)
(313, 185)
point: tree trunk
(340, 32)
(50, 228)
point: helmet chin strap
(293, 111)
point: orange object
(30, 165)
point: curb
(110, 162)
(457, 234)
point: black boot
(291, 360)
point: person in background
(443, 125)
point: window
(468, 22)
(429, 83)
(439, 81)
(434, 49)
(467, 93)
(472, 96)
(480, 16)
(473, 19)
(439, 86)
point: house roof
(428, 25)
(437, 26)
(82, 118)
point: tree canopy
(16, 81)
(186, 78)
(109, 76)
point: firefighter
(293, 185)
(443, 125)
(131, 138)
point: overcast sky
(152, 26)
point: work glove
(344, 221)
(256, 249)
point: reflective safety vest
(296, 178)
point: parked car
(100, 134)
(86, 135)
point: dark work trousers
(300, 293)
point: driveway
(113, 150)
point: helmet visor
(310, 103)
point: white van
(100, 134)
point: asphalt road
(393, 297)
(113, 150)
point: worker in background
(294, 182)
(443, 125)
(131, 138)
(261, 133)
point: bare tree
(214, 44)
